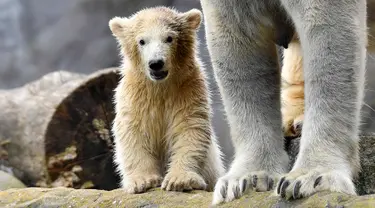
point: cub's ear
(118, 25)
(193, 18)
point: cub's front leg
(137, 165)
(189, 140)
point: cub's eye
(169, 39)
(141, 42)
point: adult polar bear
(240, 38)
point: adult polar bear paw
(303, 183)
(231, 186)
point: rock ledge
(68, 197)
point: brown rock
(67, 197)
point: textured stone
(46, 127)
(67, 197)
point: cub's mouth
(158, 75)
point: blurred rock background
(41, 36)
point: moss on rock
(68, 197)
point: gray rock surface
(75, 198)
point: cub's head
(157, 41)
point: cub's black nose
(156, 65)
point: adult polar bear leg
(245, 64)
(333, 37)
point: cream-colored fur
(292, 92)
(162, 129)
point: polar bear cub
(162, 127)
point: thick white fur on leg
(334, 39)
(249, 83)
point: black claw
(296, 189)
(223, 190)
(143, 188)
(270, 184)
(298, 127)
(266, 180)
(279, 185)
(244, 185)
(236, 192)
(317, 181)
(255, 180)
(172, 186)
(180, 187)
(283, 188)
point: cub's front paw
(305, 182)
(183, 181)
(292, 126)
(230, 187)
(141, 183)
